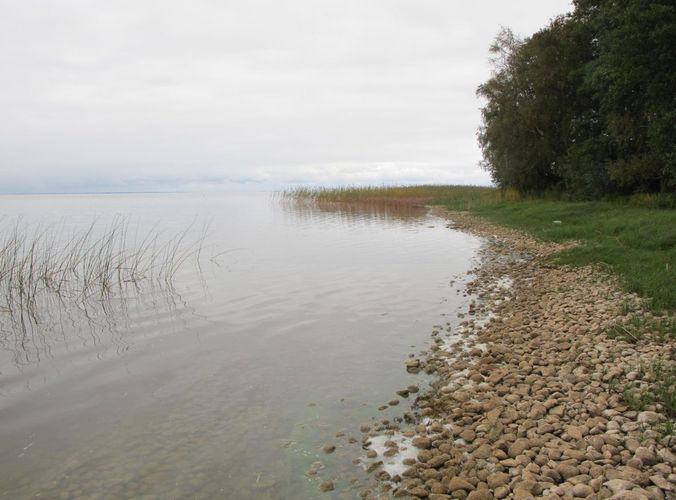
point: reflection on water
(74, 287)
(372, 213)
(229, 383)
(55, 324)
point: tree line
(587, 105)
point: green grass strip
(639, 244)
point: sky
(201, 95)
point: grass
(630, 237)
(640, 326)
(655, 384)
(637, 243)
(89, 265)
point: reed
(90, 264)
(456, 197)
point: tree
(531, 103)
(633, 77)
(586, 105)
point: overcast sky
(143, 95)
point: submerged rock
(326, 486)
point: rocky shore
(533, 396)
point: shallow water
(295, 326)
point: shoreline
(529, 402)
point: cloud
(204, 94)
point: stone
(458, 483)
(579, 479)
(461, 396)
(630, 495)
(575, 432)
(522, 494)
(518, 447)
(654, 493)
(632, 444)
(412, 363)
(553, 475)
(480, 494)
(484, 451)
(438, 460)
(557, 411)
(617, 485)
(326, 486)
(662, 483)
(663, 469)
(645, 455)
(596, 484)
(501, 492)
(421, 442)
(582, 490)
(667, 456)
(537, 411)
(634, 476)
(493, 415)
(468, 435)
(648, 417)
(498, 479)
(566, 470)
(427, 474)
(329, 448)
(418, 491)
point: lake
(292, 326)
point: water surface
(295, 326)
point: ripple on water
(189, 391)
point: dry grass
(456, 197)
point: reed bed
(455, 197)
(89, 265)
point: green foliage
(585, 106)
(531, 102)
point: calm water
(296, 327)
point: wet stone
(422, 442)
(326, 486)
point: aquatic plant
(89, 264)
